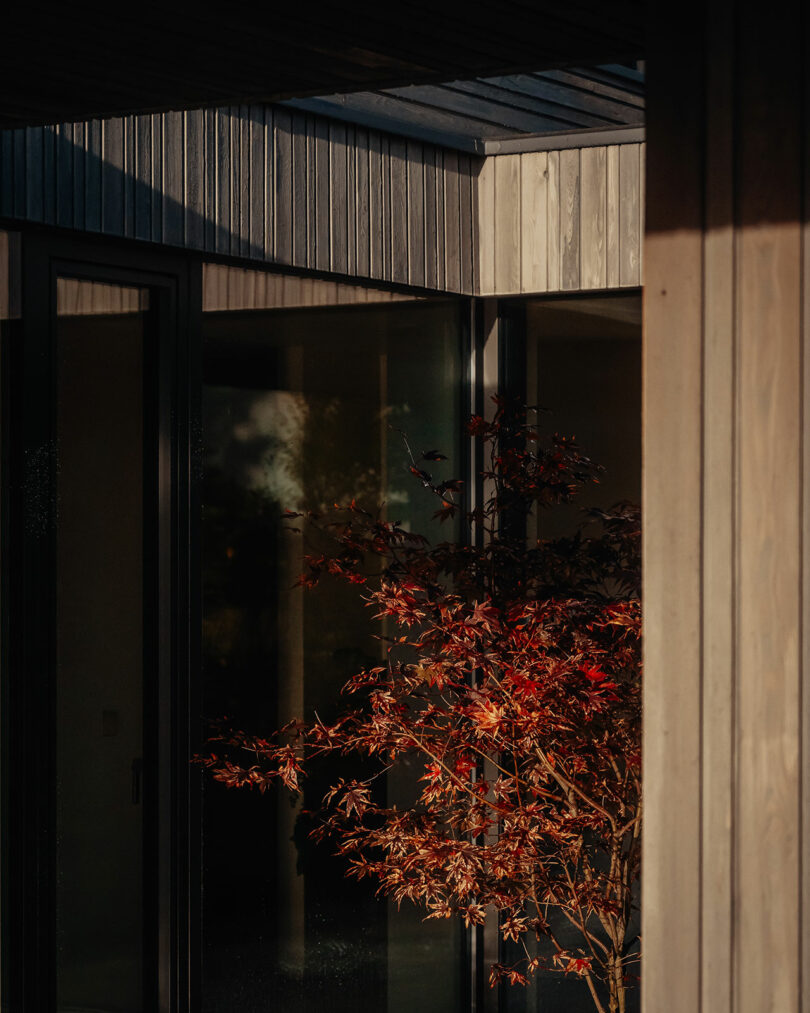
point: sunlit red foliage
(513, 671)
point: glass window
(303, 381)
(99, 654)
(583, 371)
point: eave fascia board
(595, 138)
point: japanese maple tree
(514, 672)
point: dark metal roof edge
(597, 137)
(441, 138)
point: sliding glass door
(102, 337)
(97, 907)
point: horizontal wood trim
(227, 288)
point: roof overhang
(63, 62)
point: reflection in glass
(583, 370)
(99, 679)
(298, 405)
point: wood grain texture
(553, 229)
(727, 724)
(570, 215)
(486, 225)
(534, 222)
(268, 184)
(769, 689)
(258, 182)
(629, 215)
(719, 564)
(507, 224)
(593, 218)
(612, 215)
(562, 216)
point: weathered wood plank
(593, 224)
(415, 210)
(282, 180)
(570, 211)
(399, 209)
(467, 211)
(223, 181)
(672, 595)
(363, 224)
(194, 158)
(612, 224)
(269, 189)
(172, 158)
(258, 176)
(452, 229)
(554, 261)
(386, 216)
(209, 181)
(430, 218)
(233, 168)
(338, 179)
(629, 215)
(441, 238)
(351, 201)
(129, 175)
(486, 226)
(64, 175)
(719, 509)
(242, 181)
(322, 212)
(375, 208)
(507, 224)
(112, 170)
(312, 189)
(300, 185)
(92, 177)
(79, 170)
(769, 207)
(534, 222)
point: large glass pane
(297, 406)
(99, 656)
(583, 370)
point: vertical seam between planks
(309, 177)
(274, 187)
(494, 236)
(803, 276)
(735, 509)
(408, 213)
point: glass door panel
(297, 401)
(100, 341)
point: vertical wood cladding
(257, 182)
(561, 221)
(288, 188)
(727, 516)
